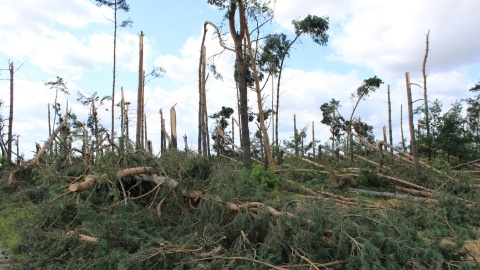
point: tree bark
(138, 143)
(268, 150)
(173, 126)
(10, 118)
(36, 159)
(390, 120)
(114, 70)
(241, 77)
(90, 180)
(413, 141)
(425, 100)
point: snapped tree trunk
(390, 120)
(425, 100)
(413, 141)
(173, 126)
(138, 143)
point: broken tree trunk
(390, 120)
(268, 150)
(90, 180)
(413, 141)
(138, 141)
(47, 144)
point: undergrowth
(168, 229)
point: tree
(221, 120)
(369, 85)
(93, 122)
(333, 119)
(10, 118)
(277, 48)
(115, 5)
(452, 137)
(473, 115)
(238, 33)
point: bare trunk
(242, 82)
(401, 128)
(145, 129)
(313, 138)
(173, 127)
(10, 118)
(49, 128)
(114, 71)
(295, 134)
(390, 120)
(425, 100)
(413, 141)
(162, 133)
(140, 96)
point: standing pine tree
(116, 5)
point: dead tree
(413, 141)
(173, 126)
(138, 143)
(390, 120)
(10, 117)
(425, 99)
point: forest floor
(183, 211)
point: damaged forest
(100, 198)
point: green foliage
(315, 26)
(370, 179)
(332, 118)
(236, 184)
(267, 178)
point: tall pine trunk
(241, 78)
(10, 118)
(139, 134)
(413, 141)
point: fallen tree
(90, 180)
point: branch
(220, 41)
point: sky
(73, 39)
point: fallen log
(90, 180)
(395, 196)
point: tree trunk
(266, 140)
(173, 126)
(114, 70)
(313, 138)
(425, 100)
(241, 77)
(390, 120)
(10, 118)
(295, 134)
(413, 141)
(401, 128)
(140, 96)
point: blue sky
(73, 39)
